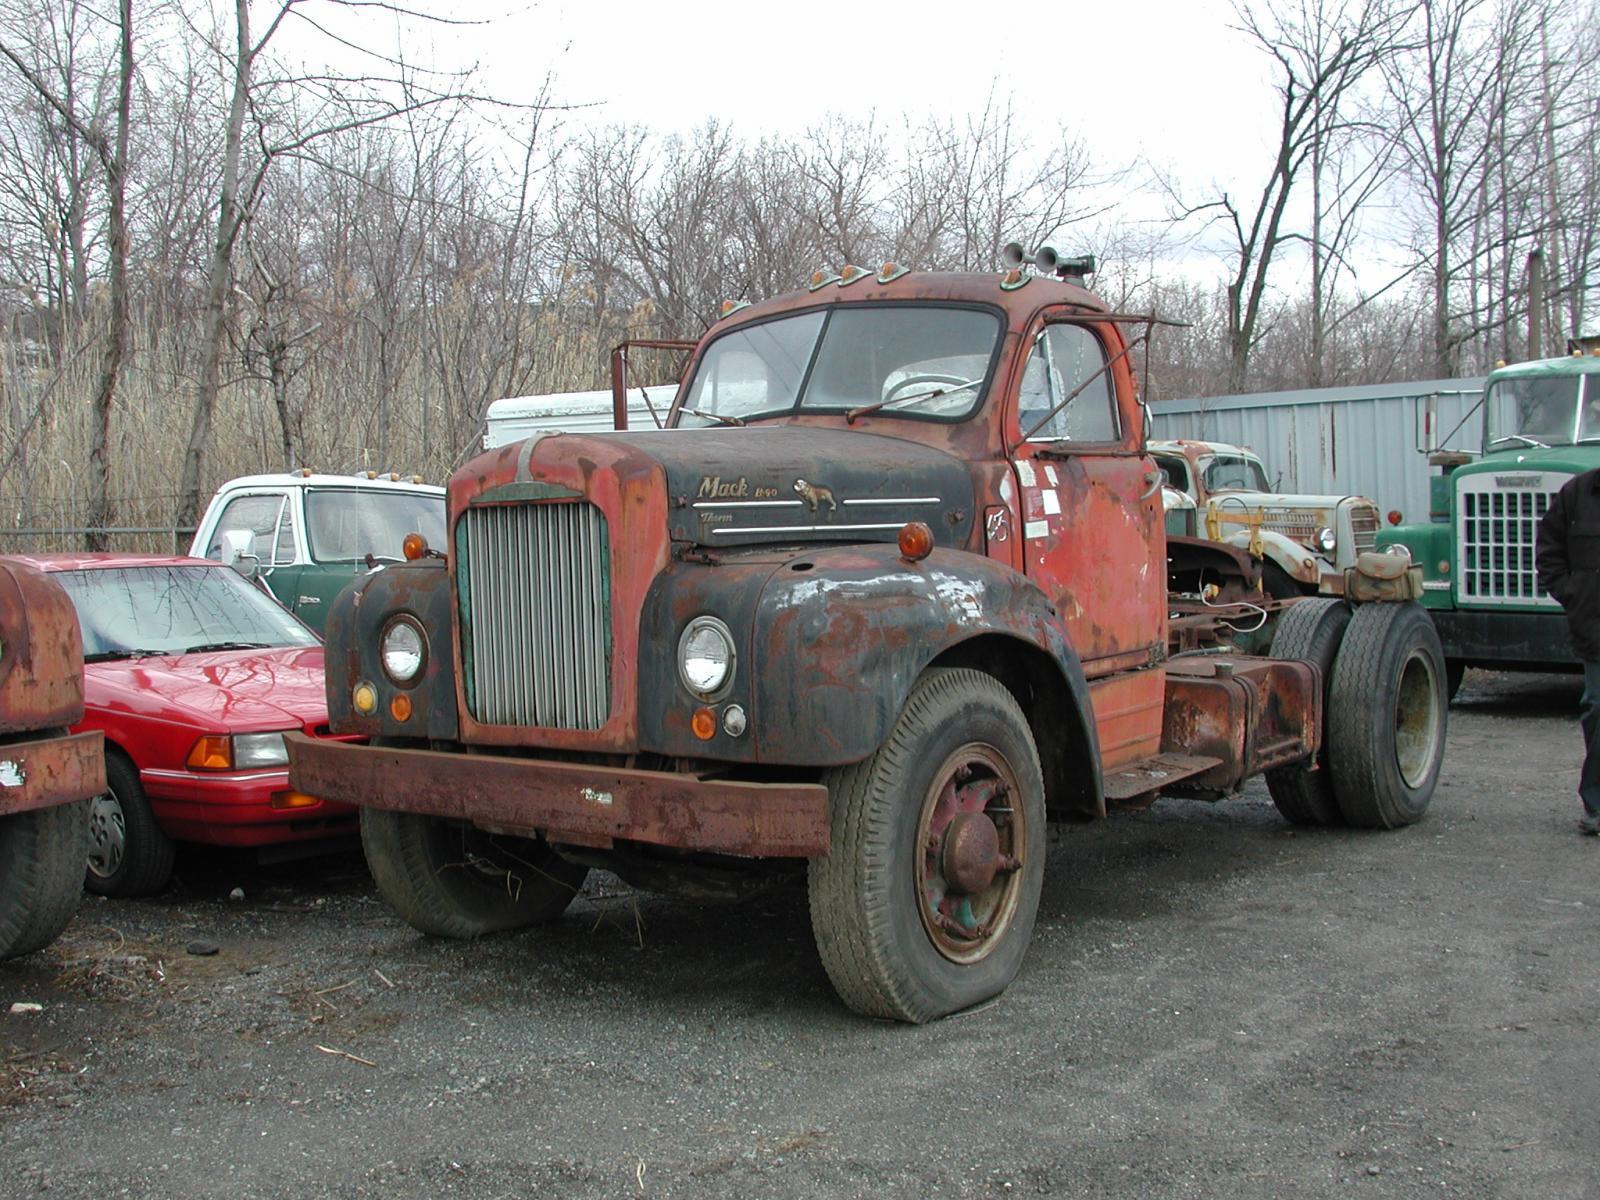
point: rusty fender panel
(51, 771)
(588, 805)
(356, 621)
(41, 652)
(830, 647)
(1252, 713)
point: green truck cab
(1541, 427)
(305, 535)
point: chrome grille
(536, 614)
(1293, 523)
(1496, 529)
(1364, 526)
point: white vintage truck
(1305, 543)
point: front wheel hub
(971, 855)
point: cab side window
(1063, 357)
(268, 522)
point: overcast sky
(1167, 79)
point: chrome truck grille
(1497, 520)
(1364, 526)
(534, 582)
(1293, 523)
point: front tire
(1387, 714)
(41, 875)
(926, 899)
(129, 854)
(451, 879)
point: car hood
(230, 691)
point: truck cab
(1305, 542)
(306, 535)
(1541, 427)
(899, 597)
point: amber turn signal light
(916, 541)
(400, 707)
(414, 546)
(213, 752)
(704, 724)
(1394, 516)
(281, 800)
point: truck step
(1148, 776)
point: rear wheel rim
(1416, 720)
(108, 835)
(971, 835)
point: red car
(194, 675)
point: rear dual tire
(41, 875)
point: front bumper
(1537, 641)
(240, 808)
(51, 771)
(575, 803)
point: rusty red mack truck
(890, 592)
(46, 774)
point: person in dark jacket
(1568, 557)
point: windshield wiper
(906, 400)
(203, 647)
(710, 416)
(120, 655)
(1520, 437)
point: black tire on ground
(450, 879)
(1310, 630)
(129, 854)
(926, 900)
(1387, 716)
(41, 875)
(1454, 672)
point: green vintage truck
(1541, 426)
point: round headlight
(705, 656)
(403, 650)
(1327, 540)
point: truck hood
(788, 484)
(1254, 500)
(1531, 460)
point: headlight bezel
(256, 751)
(700, 686)
(403, 623)
(1327, 539)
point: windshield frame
(829, 311)
(1586, 390)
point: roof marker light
(891, 271)
(822, 278)
(1014, 279)
(850, 273)
(729, 307)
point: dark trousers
(1589, 718)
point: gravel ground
(1215, 1005)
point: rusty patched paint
(41, 773)
(589, 805)
(1252, 713)
(41, 652)
(41, 691)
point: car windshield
(1231, 474)
(1177, 469)
(922, 362)
(170, 609)
(347, 524)
(1537, 411)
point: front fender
(355, 623)
(1290, 556)
(831, 641)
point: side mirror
(238, 552)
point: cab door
(1093, 536)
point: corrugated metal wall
(1366, 441)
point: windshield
(1232, 474)
(922, 362)
(1537, 411)
(162, 609)
(347, 524)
